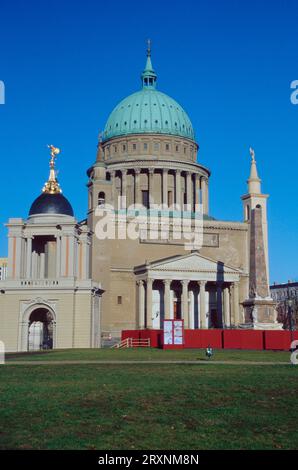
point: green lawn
(166, 406)
(150, 354)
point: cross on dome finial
(148, 47)
(149, 76)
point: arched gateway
(41, 329)
(37, 328)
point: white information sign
(173, 332)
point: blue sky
(66, 64)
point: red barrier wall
(243, 339)
(203, 338)
(135, 334)
(156, 337)
(279, 340)
(227, 339)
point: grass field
(150, 354)
(149, 406)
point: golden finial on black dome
(52, 185)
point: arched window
(101, 198)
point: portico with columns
(203, 293)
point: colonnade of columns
(226, 306)
(67, 256)
(187, 187)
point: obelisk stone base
(261, 314)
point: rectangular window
(119, 299)
(156, 146)
(177, 148)
(123, 148)
(170, 198)
(134, 146)
(115, 149)
(145, 199)
(167, 147)
(145, 146)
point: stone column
(219, 286)
(71, 265)
(64, 255)
(137, 199)
(17, 257)
(123, 188)
(178, 188)
(207, 307)
(202, 322)
(113, 189)
(86, 256)
(34, 265)
(227, 317)
(11, 255)
(29, 258)
(150, 187)
(165, 187)
(185, 307)
(83, 256)
(235, 300)
(167, 299)
(197, 188)
(58, 256)
(205, 200)
(141, 304)
(42, 266)
(149, 303)
(189, 189)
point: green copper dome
(148, 111)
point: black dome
(48, 203)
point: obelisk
(260, 309)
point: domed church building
(133, 262)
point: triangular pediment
(191, 262)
